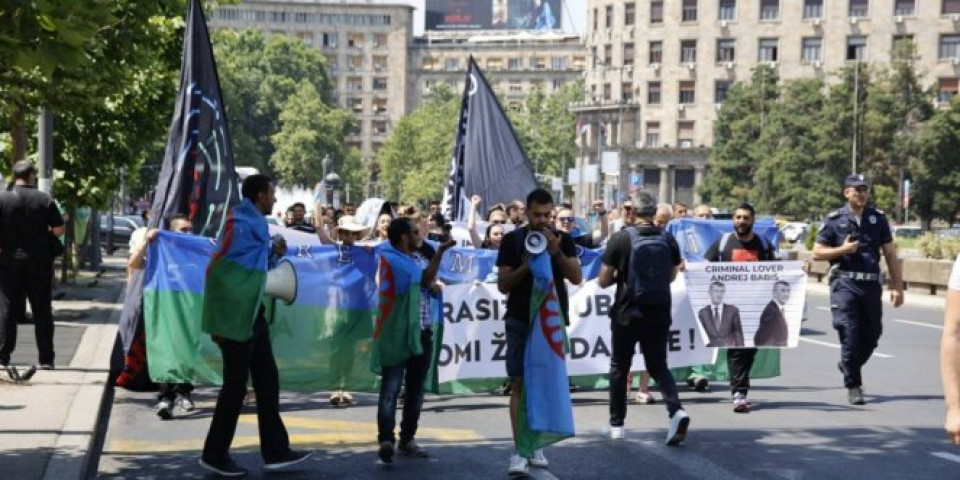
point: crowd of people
(640, 258)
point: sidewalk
(48, 426)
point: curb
(71, 453)
(911, 298)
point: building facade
(366, 48)
(658, 70)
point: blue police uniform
(855, 286)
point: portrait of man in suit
(721, 321)
(773, 322)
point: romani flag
(396, 332)
(546, 412)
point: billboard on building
(493, 14)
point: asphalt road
(800, 428)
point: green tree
(548, 144)
(936, 179)
(736, 152)
(258, 76)
(310, 130)
(415, 160)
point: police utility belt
(859, 276)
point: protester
(234, 317)
(642, 261)
(627, 217)
(680, 210)
(698, 376)
(348, 232)
(703, 212)
(349, 209)
(299, 222)
(950, 355)
(852, 238)
(29, 226)
(516, 282)
(403, 339)
(170, 395)
(515, 213)
(743, 245)
(379, 233)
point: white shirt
(954, 283)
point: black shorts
(517, 333)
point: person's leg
(12, 304)
(516, 333)
(653, 332)
(416, 375)
(623, 339)
(871, 320)
(391, 378)
(168, 392)
(845, 308)
(274, 441)
(739, 363)
(223, 426)
(39, 291)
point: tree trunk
(18, 134)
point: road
(801, 426)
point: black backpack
(651, 266)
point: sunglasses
(565, 219)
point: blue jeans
(413, 373)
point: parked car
(905, 231)
(123, 227)
(794, 232)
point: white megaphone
(282, 282)
(535, 242)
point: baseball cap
(855, 180)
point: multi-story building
(366, 48)
(515, 63)
(659, 69)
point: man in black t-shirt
(516, 282)
(740, 246)
(650, 328)
(29, 223)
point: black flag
(197, 177)
(487, 158)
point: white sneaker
(644, 398)
(538, 460)
(679, 423)
(617, 433)
(519, 466)
(164, 410)
(185, 403)
(740, 403)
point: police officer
(851, 238)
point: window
(689, 13)
(379, 83)
(379, 127)
(380, 63)
(859, 8)
(721, 88)
(354, 62)
(538, 63)
(812, 9)
(557, 83)
(728, 10)
(379, 105)
(951, 6)
(946, 89)
(608, 21)
(904, 7)
(354, 84)
(607, 91)
(856, 48)
(451, 64)
(596, 18)
(629, 13)
(330, 39)
(656, 12)
(902, 47)
(687, 91)
(769, 9)
(628, 53)
(656, 52)
(558, 63)
(653, 93)
(769, 49)
(514, 63)
(653, 134)
(608, 54)
(515, 86)
(626, 91)
(688, 51)
(355, 40)
(379, 40)
(726, 50)
(949, 46)
(685, 134)
(355, 104)
(305, 37)
(811, 50)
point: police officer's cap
(856, 180)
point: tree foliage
(544, 126)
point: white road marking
(834, 345)
(947, 456)
(825, 309)
(919, 324)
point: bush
(811, 236)
(933, 246)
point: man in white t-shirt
(950, 355)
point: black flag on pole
(197, 177)
(487, 157)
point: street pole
(856, 105)
(45, 147)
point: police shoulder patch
(833, 214)
(881, 212)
